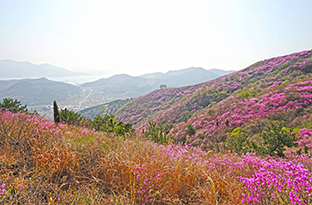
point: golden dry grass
(61, 164)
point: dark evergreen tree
(56, 113)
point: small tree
(163, 87)
(56, 113)
(13, 106)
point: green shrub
(107, 123)
(247, 94)
(190, 130)
(275, 139)
(238, 141)
(71, 117)
(158, 133)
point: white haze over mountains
(10, 69)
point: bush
(275, 139)
(107, 123)
(159, 133)
(190, 130)
(238, 141)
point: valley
(76, 97)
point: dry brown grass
(71, 166)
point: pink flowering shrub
(174, 104)
(305, 140)
(70, 164)
(236, 112)
(279, 180)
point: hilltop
(125, 86)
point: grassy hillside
(45, 163)
(107, 108)
(228, 100)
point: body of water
(79, 79)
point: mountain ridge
(16, 69)
(134, 86)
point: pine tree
(13, 106)
(56, 113)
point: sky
(143, 36)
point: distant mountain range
(42, 92)
(15, 69)
(136, 86)
(184, 77)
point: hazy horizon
(86, 76)
(138, 37)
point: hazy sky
(141, 36)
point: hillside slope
(211, 106)
(47, 163)
(107, 108)
(130, 86)
(37, 91)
